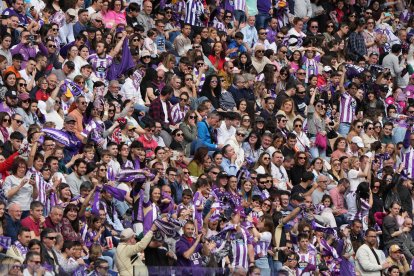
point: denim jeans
(262, 19)
(275, 266)
(263, 264)
(344, 129)
(315, 151)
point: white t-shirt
(354, 179)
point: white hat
(126, 234)
(327, 69)
(71, 12)
(358, 141)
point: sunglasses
(189, 79)
(168, 12)
(298, 125)
(301, 73)
(6, 120)
(19, 121)
(260, 51)
(240, 134)
(179, 134)
(147, 57)
(370, 128)
(51, 238)
(51, 46)
(183, 99)
(314, 27)
(23, 84)
(135, 40)
(302, 157)
(376, 187)
(200, 64)
(330, 26)
(192, 117)
(103, 170)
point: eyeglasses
(359, 126)
(46, 169)
(51, 238)
(301, 73)
(6, 120)
(179, 134)
(284, 52)
(302, 157)
(51, 46)
(183, 99)
(314, 27)
(214, 172)
(186, 172)
(189, 79)
(146, 57)
(259, 51)
(200, 64)
(266, 204)
(168, 12)
(370, 128)
(103, 170)
(266, 158)
(330, 26)
(18, 121)
(83, 103)
(298, 125)
(22, 84)
(378, 126)
(376, 187)
(368, 12)
(352, 15)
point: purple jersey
(183, 244)
(100, 65)
(306, 259)
(198, 202)
(407, 157)
(239, 244)
(151, 212)
(311, 66)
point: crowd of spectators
(189, 137)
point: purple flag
(115, 192)
(59, 135)
(95, 205)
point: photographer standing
(29, 46)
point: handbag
(320, 141)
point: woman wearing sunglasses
(316, 124)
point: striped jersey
(239, 243)
(407, 158)
(347, 108)
(240, 5)
(306, 259)
(100, 65)
(194, 9)
(261, 247)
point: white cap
(358, 141)
(71, 12)
(327, 69)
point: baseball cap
(358, 141)
(145, 53)
(69, 118)
(24, 96)
(126, 234)
(11, 94)
(71, 12)
(394, 248)
(222, 175)
(131, 126)
(96, 17)
(327, 69)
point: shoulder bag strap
(376, 258)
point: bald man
(317, 195)
(13, 223)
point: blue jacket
(230, 169)
(204, 134)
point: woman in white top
(236, 142)
(263, 165)
(303, 143)
(356, 175)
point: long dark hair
(75, 223)
(258, 142)
(362, 192)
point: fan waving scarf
(71, 89)
(59, 135)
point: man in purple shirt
(17, 9)
(29, 48)
(190, 250)
(272, 30)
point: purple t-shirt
(183, 245)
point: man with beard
(10, 103)
(17, 9)
(160, 108)
(367, 259)
(19, 248)
(268, 109)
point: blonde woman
(288, 109)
